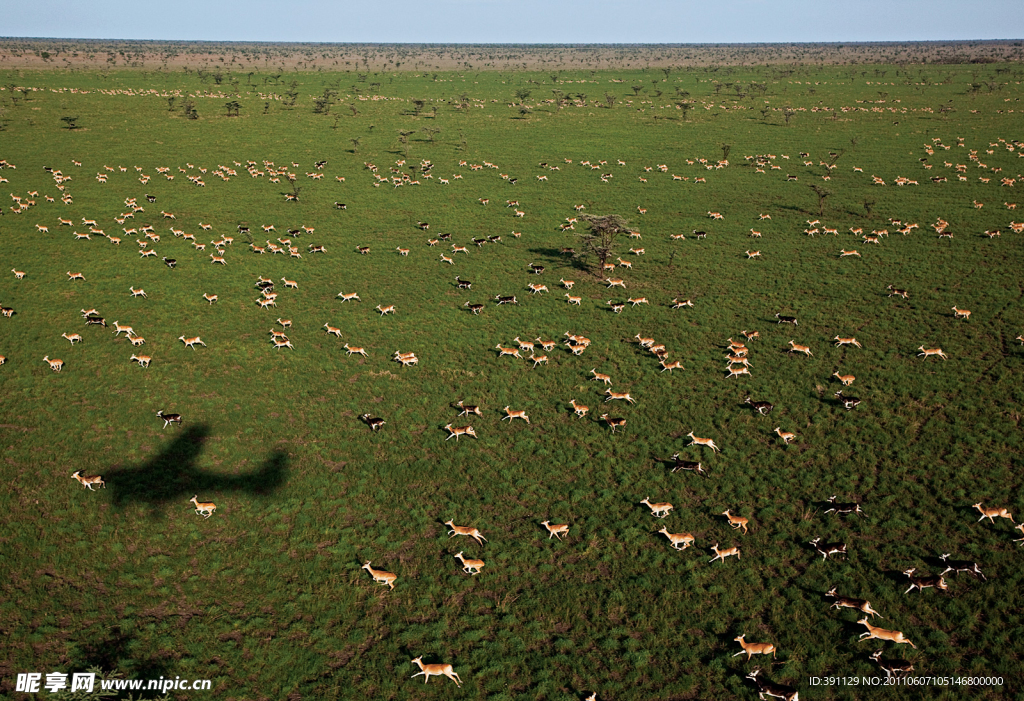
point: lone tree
(823, 194)
(355, 143)
(599, 238)
(69, 122)
(522, 94)
(403, 138)
(233, 107)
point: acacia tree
(823, 194)
(598, 239)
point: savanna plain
(268, 596)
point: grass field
(267, 597)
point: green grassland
(267, 597)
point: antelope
(637, 300)
(354, 349)
(843, 253)
(266, 302)
(613, 422)
(73, 337)
(88, 312)
(546, 345)
(625, 264)
(786, 319)
(722, 554)
(502, 352)
(88, 482)
(515, 414)
(169, 418)
(191, 342)
(618, 395)
(786, 436)
(846, 602)
(464, 530)
(142, 360)
(580, 409)
(436, 670)
(75, 276)
(332, 330)
(961, 313)
(137, 340)
(283, 343)
(118, 328)
(762, 408)
(848, 402)
(217, 259)
(475, 308)
(992, 513)
(557, 531)
(456, 431)
(537, 360)
(1019, 526)
(675, 365)
(346, 296)
(407, 359)
(644, 341)
(567, 284)
(779, 691)
(578, 301)
(677, 539)
(203, 508)
(18, 274)
(754, 648)
(847, 380)
(755, 235)
(612, 282)
(753, 254)
(958, 566)
(79, 237)
(695, 440)
(137, 293)
(931, 351)
(380, 576)
(509, 299)
(447, 260)
(734, 372)
(290, 283)
(469, 566)
(846, 341)
(661, 508)
(826, 549)
(373, 423)
(798, 348)
(210, 298)
(922, 583)
(891, 667)
(534, 289)
(736, 521)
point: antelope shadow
(173, 476)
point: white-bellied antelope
(847, 402)
(637, 300)
(203, 508)
(266, 302)
(799, 349)
(736, 372)
(992, 513)
(502, 352)
(961, 313)
(283, 343)
(119, 328)
(958, 566)
(736, 521)
(18, 274)
(892, 668)
(332, 330)
(73, 337)
(843, 253)
(210, 298)
(578, 301)
(88, 482)
(580, 409)
(469, 566)
(644, 341)
(601, 377)
(721, 554)
(679, 541)
(765, 687)
(707, 442)
(506, 299)
(290, 283)
(556, 531)
(847, 380)
(137, 292)
(515, 414)
(169, 419)
(546, 345)
(658, 509)
(191, 342)
(786, 436)
(861, 605)
(826, 549)
(456, 431)
(676, 303)
(618, 395)
(538, 359)
(214, 258)
(674, 365)
(922, 583)
(847, 342)
(534, 289)
(380, 576)
(374, 423)
(931, 351)
(437, 670)
(762, 408)
(346, 296)
(142, 360)
(464, 530)
(75, 276)
(475, 308)
(613, 422)
(355, 349)
(752, 649)
(613, 282)
(447, 260)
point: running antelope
(436, 670)
(675, 365)
(846, 602)
(659, 509)
(290, 283)
(826, 549)
(754, 648)
(847, 380)
(847, 402)
(800, 349)
(992, 513)
(464, 530)
(55, 365)
(679, 541)
(118, 328)
(931, 351)
(556, 531)
(618, 395)
(390, 309)
(214, 258)
(765, 687)
(846, 342)
(578, 301)
(961, 313)
(958, 566)
(891, 667)
(707, 442)
(142, 360)
(580, 409)
(753, 254)
(469, 566)
(922, 583)
(75, 276)
(73, 337)
(203, 508)
(502, 352)
(456, 431)
(843, 253)
(210, 298)
(346, 296)
(724, 553)
(380, 576)
(468, 409)
(89, 481)
(354, 349)
(613, 422)
(18, 274)
(762, 408)
(515, 414)
(612, 282)
(786, 436)
(191, 342)
(332, 330)
(607, 379)
(169, 418)
(736, 521)
(734, 372)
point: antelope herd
(576, 345)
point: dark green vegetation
(267, 597)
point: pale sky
(516, 21)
